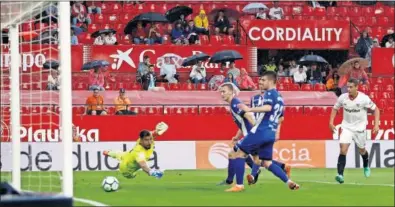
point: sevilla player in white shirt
(355, 107)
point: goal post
(27, 105)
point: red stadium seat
(294, 87)
(307, 87)
(282, 87)
(106, 7)
(389, 88)
(373, 95)
(307, 110)
(359, 21)
(319, 87)
(135, 86)
(367, 11)
(297, 10)
(228, 40)
(204, 40)
(113, 19)
(386, 95)
(202, 86)
(188, 86)
(128, 7)
(287, 10)
(318, 110)
(191, 111)
(215, 40)
(383, 21)
(308, 11)
(100, 18)
(364, 88)
(381, 103)
(370, 21)
(319, 11)
(375, 87)
(116, 8)
(342, 11)
(355, 11)
(174, 86)
(331, 11)
(391, 102)
(379, 11)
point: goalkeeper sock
(239, 165)
(280, 164)
(231, 171)
(249, 161)
(365, 159)
(341, 163)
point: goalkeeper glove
(161, 128)
(156, 173)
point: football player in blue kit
(260, 139)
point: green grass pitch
(198, 188)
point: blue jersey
(257, 101)
(238, 116)
(269, 120)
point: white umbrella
(253, 8)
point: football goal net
(36, 106)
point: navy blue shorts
(259, 143)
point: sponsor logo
(379, 155)
(352, 110)
(218, 155)
(300, 153)
(53, 135)
(294, 34)
(121, 57)
(28, 60)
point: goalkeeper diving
(136, 159)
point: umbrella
(253, 8)
(309, 59)
(77, 30)
(92, 64)
(232, 14)
(102, 31)
(46, 37)
(51, 64)
(192, 60)
(225, 56)
(174, 13)
(385, 39)
(349, 65)
(145, 18)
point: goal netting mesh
(39, 99)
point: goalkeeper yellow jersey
(131, 159)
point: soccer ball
(110, 184)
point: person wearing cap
(121, 103)
(95, 104)
(201, 22)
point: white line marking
(89, 202)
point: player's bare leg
(341, 162)
(365, 157)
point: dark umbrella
(145, 18)
(92, 64)
(46, 37)
(102, 31)
(308, 59)
(51, 64)
(232, 14)
(174, 14)
(192, 60)
(225, 56)
(385, 39)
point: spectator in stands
(390, 43)
(149, 79)
(177, 35)
(261, 14)
(314, 74)
(300, 76)
(154, 35)
(143, 68)
(222, 24)
(74, 39)
(276, 12)
(96, 79)
(332, 81)
(232, 69)
(81, 18)
(201, 23)
(271, 66)
(77, 9)
(281, 71)
(95, 104)
(191, 34)
(168, 71)
(53, 80)
(244, 81)
(110, 39)
(94, 9)
(331, 72)
(99, 40)
(139, 34)
(230, 78)
(364, 44)
(376, 43)
(183, 22)
(198, 73)
(121, 104)
(359, 73)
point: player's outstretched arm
(160, 129)
(151, 172)
(250, 117)
(264, 108)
